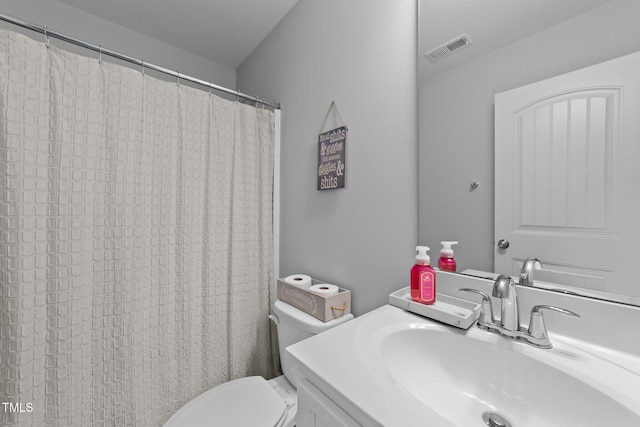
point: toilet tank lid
(290, 314)
(246, 401)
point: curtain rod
(49, 33)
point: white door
(568, 177)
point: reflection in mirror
(512, 44)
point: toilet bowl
(254, 401)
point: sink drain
(495, 420)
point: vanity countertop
(336, 363)
(392, 368)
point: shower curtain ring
(178, 78)
(99, 53)
(142, 66)
(46, 37)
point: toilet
(254, 401)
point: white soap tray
(453, 311)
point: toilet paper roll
(325, 289)
(301, 280)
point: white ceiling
(227, 31)
(490, 24)
(224, 31)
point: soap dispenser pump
(423, 278)
(446, 261)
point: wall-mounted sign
(331, 158)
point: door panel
(563, 146)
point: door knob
(503, 244)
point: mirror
(508, 44)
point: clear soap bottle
(423, 278)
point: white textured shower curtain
(136, 245)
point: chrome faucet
(505, 289)
(526, 272)
(509, 324)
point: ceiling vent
(448, 48)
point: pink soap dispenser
(446, 261)
(423, 278)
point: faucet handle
(537, 329)
(486, 313)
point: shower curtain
(136, 245)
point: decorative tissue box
(321, 307)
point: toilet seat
(246, 401)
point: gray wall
(362, 55)
(456, 121)
(71, 21)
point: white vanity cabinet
(315, 409)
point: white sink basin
(463, 374)
(392, 368)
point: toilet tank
(295, 325)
